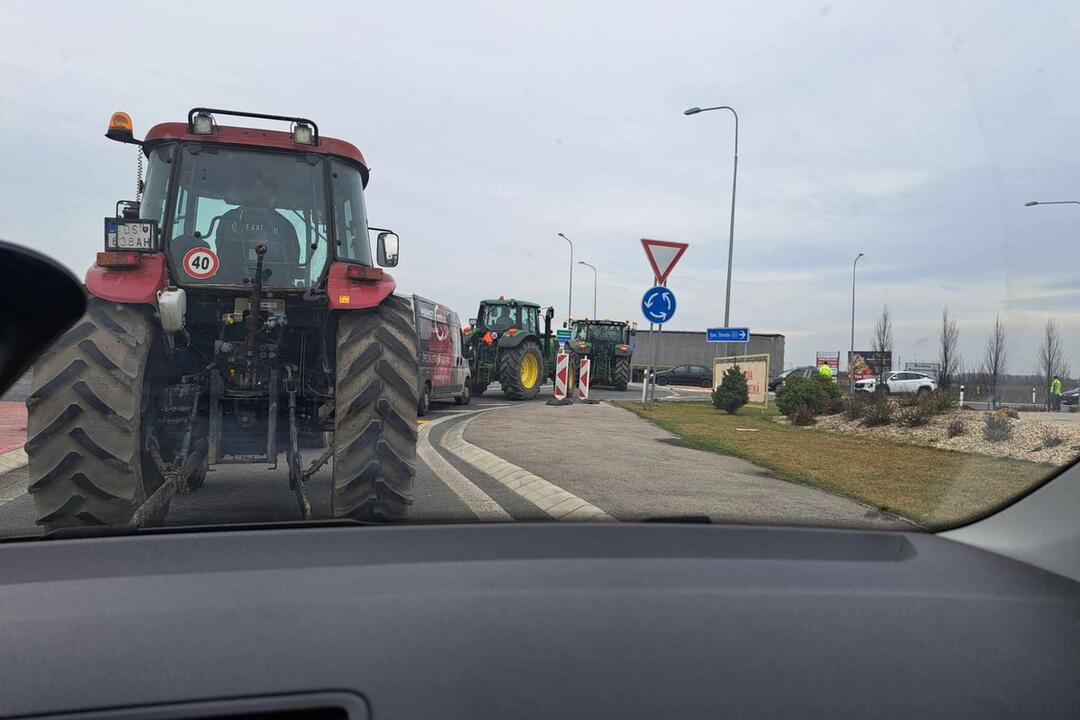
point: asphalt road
(499, 460)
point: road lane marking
(559, 504)
(479, 502)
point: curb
(12, 460)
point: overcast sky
(911, 131)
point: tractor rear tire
(621, 373)
(85, 418)
(510, 371)
(375, 412)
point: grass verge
(934, 488)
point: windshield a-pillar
(228, 202)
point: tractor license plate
(130, 234)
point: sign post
(583, 379)
(658, 304)
(562, 368)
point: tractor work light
(119, 260)
(202, 124)
(303, 134)
(512, 332)
(363, 273)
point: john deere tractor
(504, 344)
(235, 313)
(607, 345)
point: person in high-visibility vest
(1055, 394)
(825, 371)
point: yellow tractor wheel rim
(530, 370)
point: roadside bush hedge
(733, 392)
(939, 402)
(1050, 438)
(802, 415)
(878, 412)
(955, 428)
(800, 392)
(917, 415)
(997, 428)
(855, 406)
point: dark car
(1070, 397)
(805, 371)
(697, 375)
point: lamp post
(594, 276)
(731, 228)
(570, 299)
(851, 353)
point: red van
(444, 373)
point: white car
(899, 382)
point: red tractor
(234, 313)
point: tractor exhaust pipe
(256, 302)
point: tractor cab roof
(586, 321)
(254, 137)
(509, 301)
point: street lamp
(570, 299)
(1033, 203)
(594, 276)
(851, 377)
(731, 229)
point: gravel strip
(1027, 442)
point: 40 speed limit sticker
(201, 263)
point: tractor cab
(236, 206)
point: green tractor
(607, 344)
(504, 344)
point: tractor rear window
(229, 202)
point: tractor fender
(130, 285)
(507, 341)
(345, 294)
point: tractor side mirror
(467, 351)
(387, 249)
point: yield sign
(663, 256)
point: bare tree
(882, 340)
(1051, 359)
(948, 355)
(995, 358)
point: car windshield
(545, 262)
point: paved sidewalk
(633, 469)
(12, 426)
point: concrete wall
(681, 347)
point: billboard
(863, 364)
(832, 359)
(926, 368)
(755, 368)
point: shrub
(733, 392)
(878, 412)
(1051, 438)
(997, 428)
(955, 427)
(855, 407)
(1007, 412)
(802, 415)
(939, 402)
(833, 406)
(801, 392)
(917, 415)
(832, 390)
